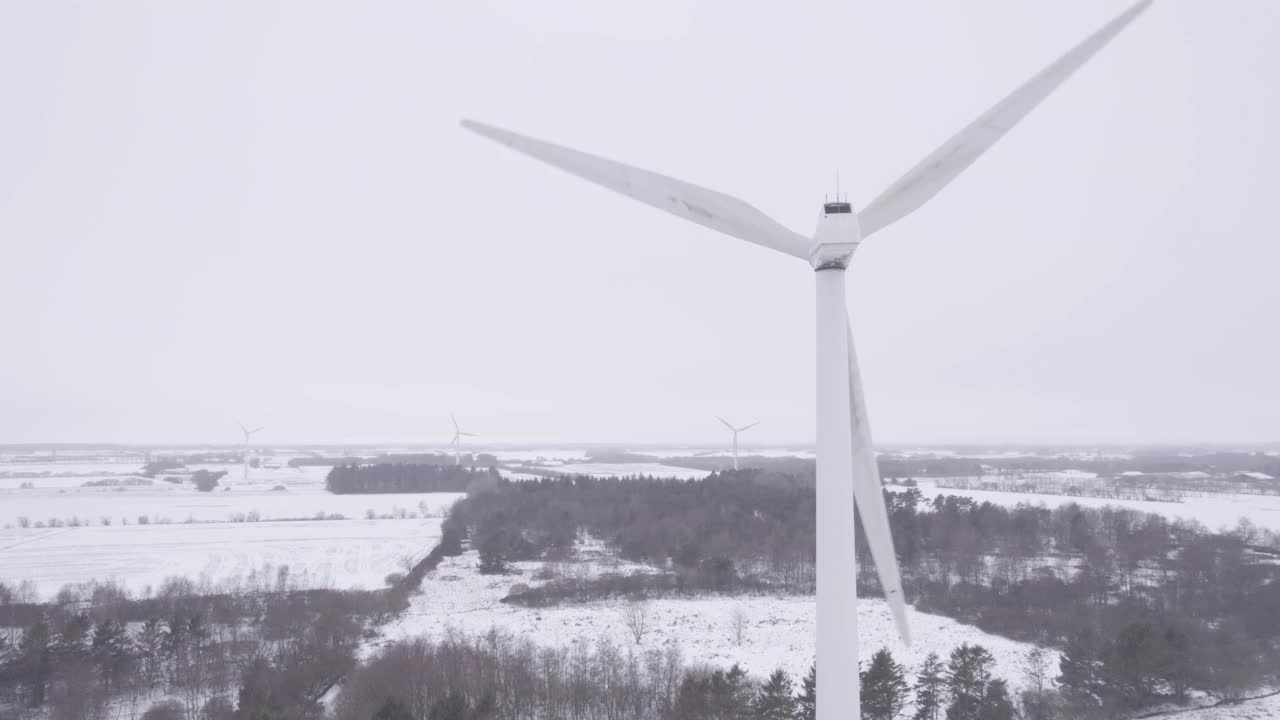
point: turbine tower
(846, 465)
(248, 433)
(456, 443)
(735, 431)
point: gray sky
(267, 211)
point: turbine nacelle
(836, 238)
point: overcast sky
(267, 211)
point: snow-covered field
(98, 534)
(779, 631)
(1263, 709)
(301, 494)
(329, 553)
(1215, 512)
(628, 469)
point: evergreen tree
(968, 673)
(150, 644)
(1136, 664)
(732, 693)
(112, 651)
(1080, 670)
(1179, 670)
(493, 555)
(393, 709)
(884, 688)
(996, 705)
(807, 704)
(35, 660)
(452, 706)
(929, 688)
(73, 642)
(776, 699)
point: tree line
(407, 478)
(500, 676)
(1195, 608)
(216, 657)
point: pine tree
(776, 699)
(884, 688)
(35, 659)
(453, 706)
(1080, 669)
(806, 706)
(393, 709)
(493, 556)
(929, 688)
(112, 651)
(968, 673)
(150, 643)
(996, 705)
(732, 692)
(73, 641)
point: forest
(1146, 609)
(407, 478)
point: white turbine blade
(466, 434)
(726, 424)
(869, 499)
(708, 208)
(455, 423)
(748, 427)
(242, 427)
(944, 164)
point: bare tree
(635, 615)
(738, 625)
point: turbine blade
(869, 499)
(726, 423)
(748, 427)
(705, 207)
(455, 422)
(944, 164)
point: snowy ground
(329, 553)
(1215, 512)
(189, 533)
(301, 494)
(628, 469)
(779, 633)
(1264, 709)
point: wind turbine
(248, 433)
(456, 443)
(735, 431)
(846, 464)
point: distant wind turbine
(456, 443)
(846, 464)
(735, 431)
(248, 433)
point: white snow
(329, 553)
(303, 496)
(628, 469)
(1215, 511)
